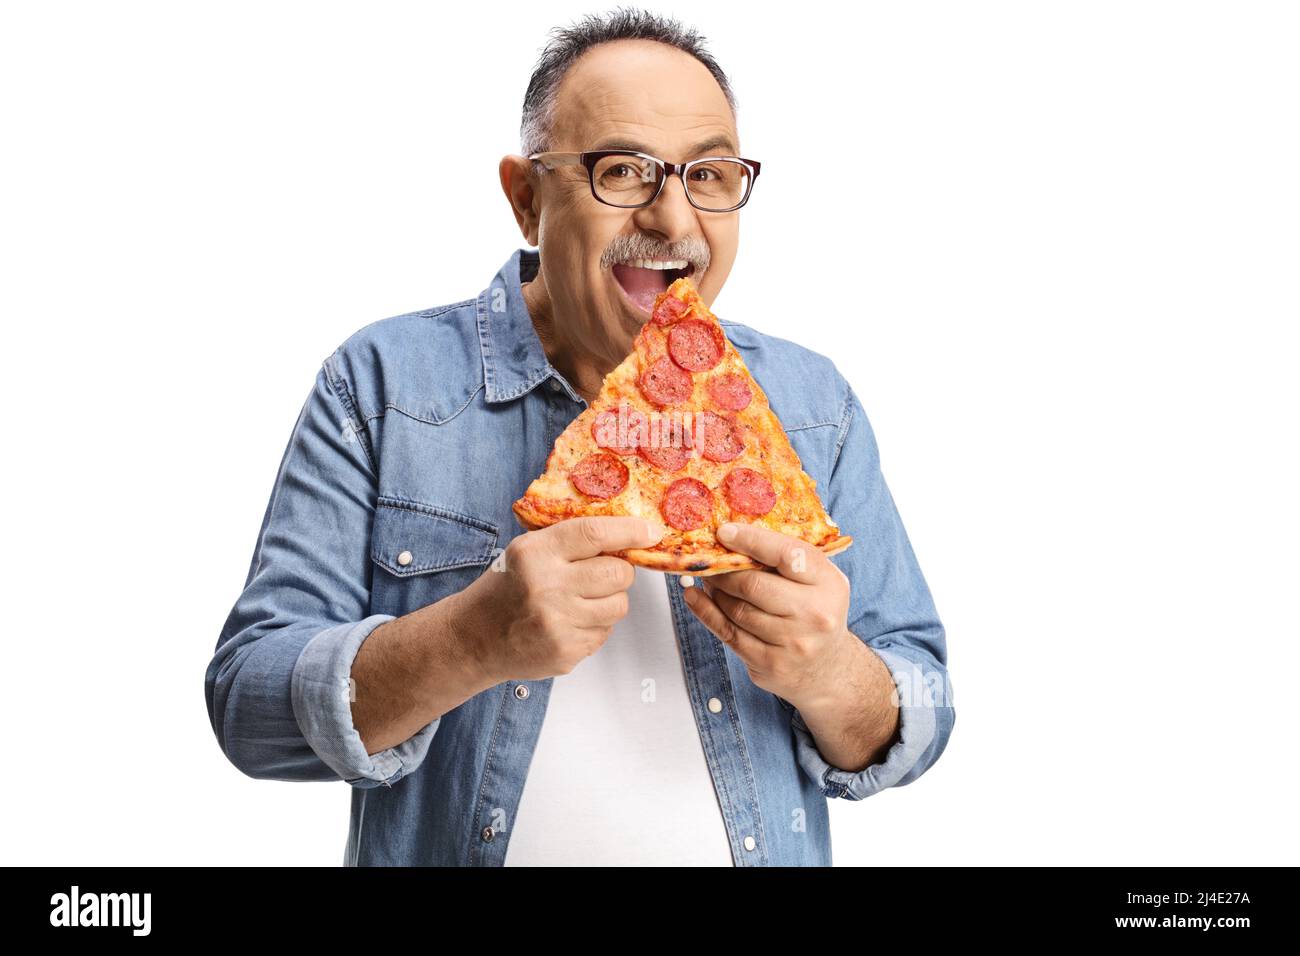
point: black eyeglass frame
(590, 158)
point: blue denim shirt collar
(514, 362)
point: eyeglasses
(630, 180)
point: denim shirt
(395, 491)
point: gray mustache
(696, 253)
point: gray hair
(571, 42)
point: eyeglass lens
(629, 180)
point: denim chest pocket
(422, 553)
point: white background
(1066, 293)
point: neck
(582, 369)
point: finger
(792, 557)
(578, 538)
(600, 576)
(766, 627)
(763, 589)
(747, 647)
(602, 611)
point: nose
(671, 217)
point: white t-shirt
(619, 775)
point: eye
(621, 171)
(704, 174)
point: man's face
(646, 96)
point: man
(499, 697)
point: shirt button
(488, 834)
(554, 385)
(405, 558)
(521, 691)
(749, 843)
(715, 705)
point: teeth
(659, 263)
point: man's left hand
(789, 627)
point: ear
(519, 183)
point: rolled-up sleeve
(891, 611)
(323, 692)
(278, 687)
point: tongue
(641, 285)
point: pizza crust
(701, 564)
(529, 516)
(721, 562)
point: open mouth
(643, 279)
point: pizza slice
(681, 434)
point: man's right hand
(552, 599)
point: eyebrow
(722, 142)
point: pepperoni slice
(620, 432)
(669, 310)
(687, 504)
(748, 492)
(695, 345)
(722, 438)
(665, 457)
(599, 476)
(664, 383)
(730, 391)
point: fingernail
(727, 532)
(655, 531)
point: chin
(630, 317)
